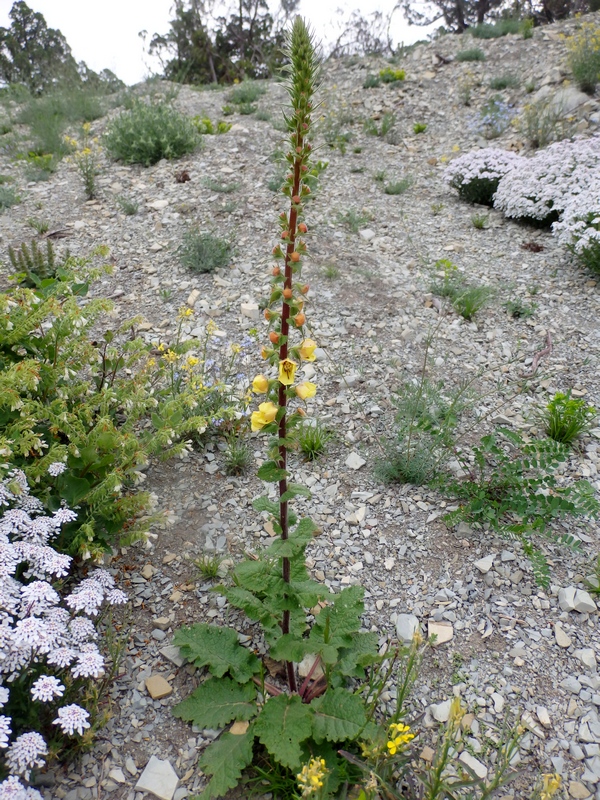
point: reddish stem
(283, 354)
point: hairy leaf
(283, 724)
(216, 702)
(339, 715)
(225, 760)
(218, 649)
(271, 472)
(264, 504)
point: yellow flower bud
(306, 390)
(307, 350)
(260, 384)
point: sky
(104, 33)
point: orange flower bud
(305, 288)
(296, 199)
(295, 257)
(285, 234)
(276, 271)
(267, 314)
(274, 337)
(300, 319)
(303, 227)
(288, 294)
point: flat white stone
(171, 653)
(366, 234)
(562, 640)
(159, 778)
(470, 761)
(158, 204)
(485, 564)
(441, 711)
(443, 631)
(543, 716)
(587, 657)
(406, 625)
(583, 602)
(250, 310)
(566, 598)
(354, 461)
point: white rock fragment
(159, 778)
(562, 640)
(443, 631)
(583, 602)
(498, 702)
(158, 205)
(566, 598)
(441, 711)
(470, 761)
(354, 461)
(406, 625)
(305, 666)
(366, 234)
(250, 310)
(543, 716)
(587, 657)
(485, 564)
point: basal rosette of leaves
(48, 632)
(101, 406)
(476, 175)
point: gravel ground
(513, 647)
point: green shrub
(387, 122)
(205, 126)
(419, 127)
(203, 252)
(371, 82)
(31, 264)
(246, 93)
(480, 221)
(544, 122)
(389, 75)
(149, 132)
(502, 27)
(504, 82)
(8, 197)
(313, 439)
(584, 56)
(127, 206)
(510, 487)
(100, 402)
(398, 187)
(565, 418)
(471, 54)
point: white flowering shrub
(48, 637)
(476, 175)
(540, 188)
(579, 226)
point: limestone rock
(406, 625)
(442, 630)
(159, 778)
(158, 687)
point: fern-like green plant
(511, 488)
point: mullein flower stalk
(285, 310)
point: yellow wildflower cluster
(551, 783)
(185, 313)
(287, 374)
(400, 736)
(311, 777)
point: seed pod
(295, 257)
(300, 319)
(274, 337)
(302, 227)
(288, 294)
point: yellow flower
(184, 313)
(287, 371)
(192, 361)
(266, 413)
(306, 390)
(551, 783)
(455, 148)
(400, 736)
(311, 777)
(170, 357)
(457, 711)
(307, 350)
(151, 362)
(211, 327)
(236, 348)
(260, 384)
(86, 127)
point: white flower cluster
(489, 163)
(542, 186)
(37, 626)
(579, 226)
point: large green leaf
(218, 649)
(271, 472)
(225, 760)
(283, 724)
(216, 702)
(339, 715)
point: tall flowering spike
(286, 313)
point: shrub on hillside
(476, 175)
(584, 56)
(49, 654)
(100, 404)
(579, 227)
(539, 188)
(148, 132)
